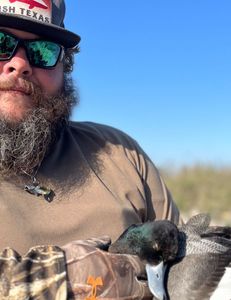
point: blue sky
(160, 71)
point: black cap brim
(52, 32)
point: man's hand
(97, 274)
(39, 274)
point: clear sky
(160, 70)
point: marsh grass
(201, 188)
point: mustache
(18, 84)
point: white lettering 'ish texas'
(39, 10)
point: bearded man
(63, 183)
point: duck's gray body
(201, 269)
(204, 260)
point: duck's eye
(156, 246)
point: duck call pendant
(37, 190)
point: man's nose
(18, 65)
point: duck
(156, 243)
(188, 262)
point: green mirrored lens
(43, 53)
(7, 45)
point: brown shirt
(103, 182)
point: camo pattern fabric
(39, 275)
(97, 274)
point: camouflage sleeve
(78, 270)
(97, 274)
(39, 275)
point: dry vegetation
(201, 189)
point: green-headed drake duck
(192, 262)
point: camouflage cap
(42, 17)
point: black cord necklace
(36, 189)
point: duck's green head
(152, 241)
(133, 240)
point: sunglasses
(40, 53)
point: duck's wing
(197, 276)
(223, 291)
(221, 231)
(197, 224)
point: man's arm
(78, 270)
(93, 272)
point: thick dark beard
(24, 145)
